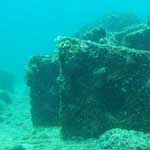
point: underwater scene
(75, 75)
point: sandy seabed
(17, 133)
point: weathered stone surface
(104, 87)
(42, 76)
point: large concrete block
(104, 87)
(42, 76)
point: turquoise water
(30, 27)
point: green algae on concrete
(42, 79)
(105, 86)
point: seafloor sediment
(17, 133)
